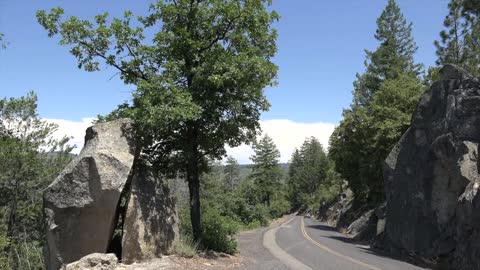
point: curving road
(305, 244)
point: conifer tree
(355, 143)
(450, 49)
(460, 42)
(393, 57)
(232, 173)
(266, 169)
(307, 171)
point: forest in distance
(199, 70)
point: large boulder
(432, 178)
(151, 222)
(80, 206)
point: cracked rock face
(432, 175)
(80, 205)
(151, 223)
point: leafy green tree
(266, 170)
(232, 173)
(330, 188)
(199, 79)
(355, 143)
(29, 160)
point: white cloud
(73, 129)
(286, 134)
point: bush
(279, 207)
(218, 232)
(261, 213)
(252, 225)
(4, 264)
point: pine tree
(450, 49)
(231, 172)
(393, 57)
(460, 42)
(266, 170)
(307, 172)
(355, 143)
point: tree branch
(116, 65)
(222, 36)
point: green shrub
(261, 214)
(252, 225)
(279, 207)
(218, 232)
(4, 263)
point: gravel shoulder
(255, 255)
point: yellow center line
(305, 234)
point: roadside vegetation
(29, 160)
(231, 204)
(199, 70)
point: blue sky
(320, 49)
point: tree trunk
(193, 179)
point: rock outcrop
(432, 175)
(86, 202)
(80, 205)
(151, 223)
(334, 214)
(369, 225)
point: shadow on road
(365, 247)
(321, 227)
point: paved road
(306, 244)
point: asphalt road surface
(305, 244)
